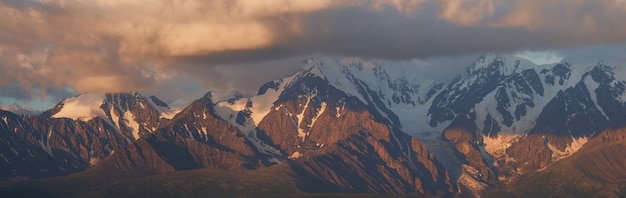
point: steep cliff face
(363, 163)
(24, 151)
(76, 134)
(334, 138)
(589, 105)
(194, 139)
(310, 115)
(474, 173)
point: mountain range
(341, 125)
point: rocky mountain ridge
(344, 122)
(75, 134)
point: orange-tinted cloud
(115, 45)
(466, 12)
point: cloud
(124, 45)
(588, 56)
(111, 45)
(407, 7)
(466, 12)
(245, 77)
(541, 57)
(564, 14)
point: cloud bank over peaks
(112, 45)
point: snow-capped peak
(502, 64)
(358, 62)
(392, 87)
(82, 107)
(87, 106)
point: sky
(52, 49)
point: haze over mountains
(344, 124)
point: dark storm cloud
(389, 34)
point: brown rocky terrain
(194, 139)
(44, 146)
(596, 170)
(341, 144)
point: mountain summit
(75, 134)
(347, 124)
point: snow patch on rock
(576, 144)
(129, 118)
